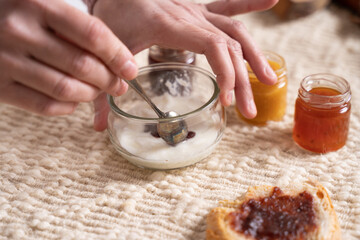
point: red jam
(191, 134)
(279, 216)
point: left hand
(204, 29)
(53, 56)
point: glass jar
(322, 113)
(132, 124)
(270, 100)
(159, 55)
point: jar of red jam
(322, 113)
(160, 55)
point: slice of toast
(307, 214)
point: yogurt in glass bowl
(191, 92)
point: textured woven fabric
(59, 179)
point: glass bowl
(190, 91)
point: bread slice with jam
(295, 212)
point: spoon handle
(136, 86)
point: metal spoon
(172, 131)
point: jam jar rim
(170, 65)
(281, 72)
(339, 99)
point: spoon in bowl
(172, 131)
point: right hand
(204, 29)
(53, 56)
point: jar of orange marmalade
(160, 55)
(270, 100)
(322, 113)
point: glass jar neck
(160, 54)
(277, 63)
(328, 82)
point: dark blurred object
(160, 55)
(352, 5)
(174, 82)
(291, 9)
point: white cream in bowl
(148, 151)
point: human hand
(53, 56)
(202, 29)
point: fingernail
(129, 70)
(270, 73)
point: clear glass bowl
(190, 91)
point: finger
(49, 81)
(243, 93)
(26, 98)
(257, 61)
(213, 46)
(74, 61)
(218, 56)
(233, 7)
(101, 112)
(91, 34)
(242, 87)
(102, 109)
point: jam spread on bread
(277, 216)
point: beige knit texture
(59, 179)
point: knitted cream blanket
(61, 180)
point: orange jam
(270, 100)
(322, 114)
